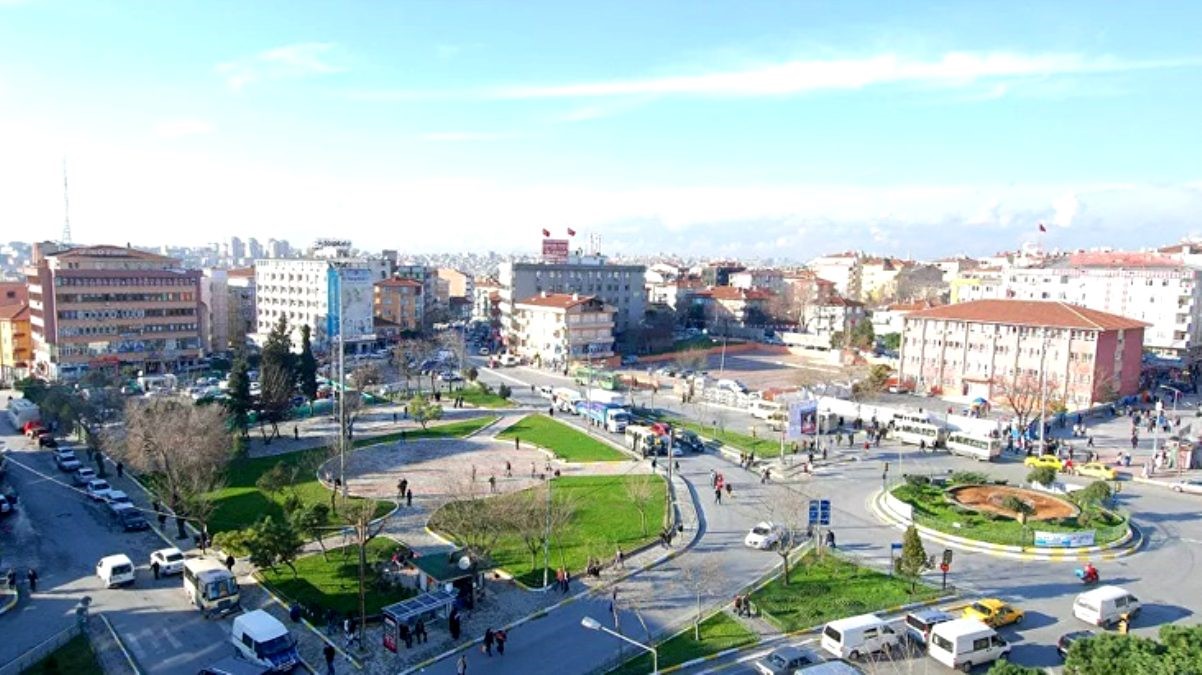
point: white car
(84, 476)
(763, 536)
(99, 489)
(115, 497)
(1191, 485)
(170, 560)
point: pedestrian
(654, 463)
(559, 579)
(32, 577)
(394, 418)
(10, 578)
(1134, 441)
(473, 473)
(714, 476)
(738, 605)
(453, 626)
(229, 563)
(500, 637)
(329, 652)
(420, 631)
(409, 497)
(533, 471)
(461, 664)
(295, 432)
(492, 484)
(508, 469)
(567, 581)
(517, 442)
(620, 559)
(489, 637)
(824, 453)
(1089, 442)
(331, 621)
(830, 539)
(120, 469)
(154, 569)
(406, 635)
(718, 495)
(730, 491)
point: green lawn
(605, 519)
(718, 632)
(760, 447)
(334, 583)
(75, 657)
(823, 588)
(475, 395)
(566, 442)
(932, 510)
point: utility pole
(66, 207)
(1043, 404)
(341, 389)
(547, 537)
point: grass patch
(718, 632)
(334, 583)
(75, 657)
(699, 342)
(760, 447)
(474, 394)
(566, 442)
(605, 519)
(456, 429)
(823, 588)
(933, 510)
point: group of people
(31, 576)
(719, 483)
(742, 605)
(404, 492)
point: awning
(424, 605)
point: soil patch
(991, 497)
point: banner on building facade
(555, 250)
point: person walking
(619, 559)
(492, 484)
(714, 476)
(328, 652)
(718, 495)
(32, 577)
(508, 469)
(500, 637)
(517, 442)
(406, 635)
(154, 569)
(461, 665)
(409, 498)
(489, 637)
(120, 469)
(730, 491)
(229, 563)
(453, 625)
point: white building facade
(311, 291)
(555, 329)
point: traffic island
(716, 636)
(1008, 521)
(8, 599)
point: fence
(41, 651)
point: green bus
(596, 377)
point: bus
(917, 429)
(210, 587)
(645, 440)
(980, 448)
(596, 377)
(766, 410)
(20, 411)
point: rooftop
(557, 300)
(14, 311)
(399, 283)
(1121, 259)
(1029, 313)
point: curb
(1127, 545)
(10, 599)
(129, 658)
(355, 662)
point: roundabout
(993, 499)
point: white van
(859, 636)
(964, 643)
(115, 570)
(261, 639)
(1105, 605)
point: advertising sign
(555, 250)
(350, 297)
(391, 631)
(1064, 539)
(802, 419)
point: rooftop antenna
(66, 207)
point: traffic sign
(820, 512)
(895, 547)
(813, 519)
(944, 567)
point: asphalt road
(62, 534)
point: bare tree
(474, 520)
(186, 446)
(702, 578)
(405, 358)
(275, 398)
(788, 511)
(642, 492)
(358, 514)
(366, 375)
(1021, 395)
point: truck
(22, 411)
(610, 397)
(613, 418)
(565, 399)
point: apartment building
(761, 277)
(428, 277)
(215, 311)
(843, 270)
(556, 329)
(618, 286)
(728, 306)
(984, 348)
(330, 295)
(241, 321)
(16, 342)
(400, 302)
(459, 284)
(486, 300)
(109, 306)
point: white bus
(766, 410)
(644, 440)
(210, 587)
(917, 430)
(980, 448)
(21, 411)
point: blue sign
(895, 547)
(820, 512)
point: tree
(789, 512)
(702, 578)
(861, 336)
(913, 559)
(31, 388)
(471, 373)
(275, 397)
(1019, 507)
(1021, 394)
(423, 411)
(1096, 492)
(891, 341)
(359, 514)
(306, 366)
(533, 516)
(642, 492)
(473, 520)
(691, 359)
(186, 448)
(1004, 667)
(1179, 651)
(404, 357)
(274, 479)
(1043, 475)
(239, 403)
(366, 375)
(274, 542)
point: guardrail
(40, 651)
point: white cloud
(179, 128)
(288, 61)
(1065, 209)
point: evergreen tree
(277, 377)
(913, 558)
(306, 366)
(239, 402)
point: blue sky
(762, 129)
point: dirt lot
(989, 498)
(762, 370)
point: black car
(1066, 641)
(689, 441)
(46, 440)
(129, 518)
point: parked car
(115, 570)
(763, 536)
(118, 497)
(170, 560)
(128, 517)
(785, 660)
(47, 440)
(66, 461)
(1066, 641)
(920, 622)
(84, 475)
(688, 440)
(98, 489)
(1190, 485)
(993, 612)
(1041, 461)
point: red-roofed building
(979, 349)
(727, 305)
(555, 329)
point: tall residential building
(237, 250)
(278, 248)
(427, 276)
(843, 270)
(214, 310)
(399, 301)
(310, 291)
(619, 286)
(16, 343)
(992, 349)
(254, 250)
(459, 284)
(486, 300)
(108, 306)
(240, 303)
(555, 329)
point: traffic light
(947, 556)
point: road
(62, 534)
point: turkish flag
(571, 232)
(546, 233)
(1042, 228)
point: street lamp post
(592, 624)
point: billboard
(802, 415)
(555, 250)
(350, 295)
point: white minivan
(261, 639)
(1105, 606)
(859, 636)
(115, 570)
(964, 643)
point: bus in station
(918, 429)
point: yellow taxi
(1040, 461)
(993, 612)
(1096, 470)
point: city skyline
(939, 130)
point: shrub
(504, 391)
(967, 478)
(1016, 505)
(917, 481)
(1044, 475)
(1096, 492)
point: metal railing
(41, 651)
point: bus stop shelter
(427, 606)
